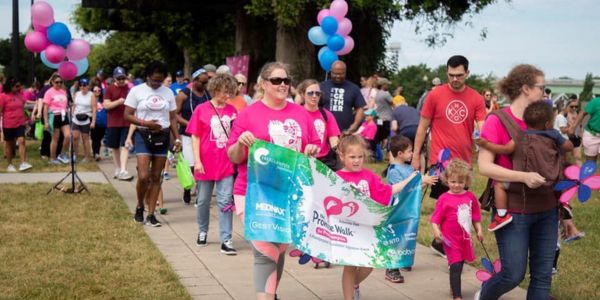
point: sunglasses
(58, 82)
(242, 83)
(573, 106)
(279, 80)
(83, 84)
(96, 91)
(121, 78)
(314, 93)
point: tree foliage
(40, 71)
(588, 86)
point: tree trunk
(187, 63)
(294, 48)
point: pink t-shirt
(453, 115)
(204, 124)
(290, 127)
(455, 215)
(324, 129)
(369, 184)
(369, 130)
(494, 131)
(12, 106)
(56, 100)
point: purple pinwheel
(442, 162)
(489, 269)
(581, 180)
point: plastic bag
(39, 130)
(184, 173)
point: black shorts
(383, 131)
(85, 129)
(116, 136)
(11, 134)
(59, 122)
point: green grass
(77, 246)
(41, 165)
(578, 265)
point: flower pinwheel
(442, 163)
(303, 258)
(489, 269)
(581, 180)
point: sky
(560, 37)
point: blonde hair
(222, 83)
(350, 140)
(301, 88)
(459, 168)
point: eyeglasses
(241, 83)
(457, 76)
(279, 80)
(121, 78)
(204, 82)
(488, 95)
(540, 86)
(83, 84)
(572, 106)
(313, 93)
(58, 82)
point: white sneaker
(24, 166)
(124, 175)
(11, 168)
(117, 171)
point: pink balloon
(322, 14)
(55, 54)
(344, 27)
(338, 9)
(40, 28)
(67, 70)
(42, 13)
(78, 49)
(36, 41)
(348, 46)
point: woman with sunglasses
(55, 111)
(239, 101)
(97, 132)
(84, 117)
(323, 121)
(286, 124)
(13, 118)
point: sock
(501, 212)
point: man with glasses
(450, 110)
(117, 127)
(187, 99)
(343, 98)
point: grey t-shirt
(383, 105)
(406, 116)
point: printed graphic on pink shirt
(286, 134)
(363, 187)
(217, 134)
(457, 111)
(320, 128)
(463, 214)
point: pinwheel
(581, 180)
(489, 268)
(303, 258)
(442, 162)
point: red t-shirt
(12, 106)
(453, 115)
(115, 115)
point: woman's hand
(198, 167)
(246, 138)
(92, 125)
(46, 126)
(311, 150)
(152, 125)
(533, 179)
(128, 143)
(177, 146)
(480, 234)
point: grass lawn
(66, 246)
(41, 165)
(578, 265)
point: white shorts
(591, 144)
(187, 150)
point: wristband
(142, 123)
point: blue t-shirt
(187, 107)
(341, 100)
(405, 116)
(397, 172)
(176, 87)
(552, 134)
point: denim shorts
(141, 149)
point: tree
(41, 72)
(588, 85)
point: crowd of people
(213, 122)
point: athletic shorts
(591, 143)
(85, 129)
(116, 136)
(11, 134)
(59, 122)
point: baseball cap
(198, 73)
(100, 72)
(84, 81)
(119, 72)
(382, 81)
(179, 73)
(210, 68)
(138, 81)
(371, 112)
(436, 81)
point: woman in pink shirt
(55, 109)
(13, 118)
(275, 120)
(209, 128)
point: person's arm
(507, 149)
(94, 111)
(181, 96)
(236, 152)
(111, 104)
(129, 139)
(488, 168)
(198, 166)
(478, 230)
(45, 115)
(174, 132)
(430, 180)
(358, 116)
(437, 233)
(394, 126)
(567, 146)
(397, 187)
(419, 141)
(333, 142)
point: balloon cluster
(53, 41)
(333, 33)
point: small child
(353, 150)
(400, 151)
(538, 117)
(451, 221)
(368, 129)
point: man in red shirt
(451, 111)
(117, 127)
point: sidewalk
(208, 274)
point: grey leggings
(267, 272)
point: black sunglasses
(58, 82)
(279, 80)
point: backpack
(533, 153)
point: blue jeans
(532, 236)
(224, 197)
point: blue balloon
(329, 25)
(59, 34)
(317, 36)
(82, 66)
(46, 62)
(327, 59)
(335, 42)
(321, 51)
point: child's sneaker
(499, 222)
(394, 276)
(356, 295)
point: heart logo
(334, 206)
(286, 134)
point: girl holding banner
(282, 123)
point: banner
(295, 199)
(239, 65)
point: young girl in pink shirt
(352, 151)
(451, 220)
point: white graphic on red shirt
(287, 134)
(457, 111)
(320, 128)
(216, 130)
(363, 187)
